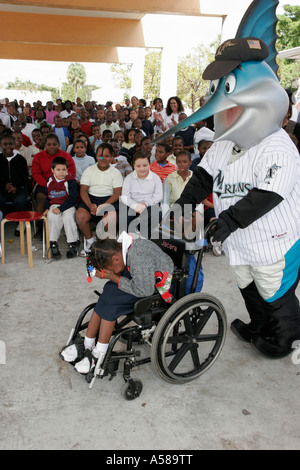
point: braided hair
(102, 252)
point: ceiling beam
(21, 51)
(70, 30)
(190, 7)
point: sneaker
(70, 353)
(73, 249)
(55, 251)
(86, 248)
(88, 362)
(83, 253)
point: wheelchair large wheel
(188, 338)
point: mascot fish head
(245, 97)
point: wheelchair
(185, 337)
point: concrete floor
(244, 401)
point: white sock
(89, 242)
(100, 348)
(89, 343)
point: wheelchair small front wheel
(188, 338)
(132, 389)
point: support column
(168, 84)
(137, 73)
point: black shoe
(55, 251)
(17, 233)
(243, 331)
(73, 249)
(270, 348)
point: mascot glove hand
(221, 232)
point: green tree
(76, 75)
(27, 85)
(84, 92)
(122, 77)
(190, 85)
(152, 73)
(288, 31)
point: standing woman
(173, 109)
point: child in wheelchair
(134, 269)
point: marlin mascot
(253, 171)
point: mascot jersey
(253, 171)
(272, 165)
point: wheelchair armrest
(147, 308)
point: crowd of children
(83, 161)
(80, 162)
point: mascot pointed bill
(245, 96)
(253, 172)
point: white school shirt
(271, 165)
(136, 190)
(101, 183)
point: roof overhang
(70, 30)
(293, 53)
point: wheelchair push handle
(200, 255)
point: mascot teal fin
(260, 21)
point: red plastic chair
(26, 217)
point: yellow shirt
(176, 185)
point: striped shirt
(162, 171)
(272, 165)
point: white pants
(267, 279)
(64, 219)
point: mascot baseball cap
(232, 53)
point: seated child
(95, 138)
(129, 139)
(120, 162)
(100, 188)
(60, 208)
(138, 146)
(142, 194)
(177, 145)
(119, 135)
(203, 146)
(137, 124)
(62, 133)
(38, 146)
(176, 181)
(81, 159)
(13, 176)
(106, 136)
(187, 134)
(133, 268)
(161, 166)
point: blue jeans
(10, 202)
